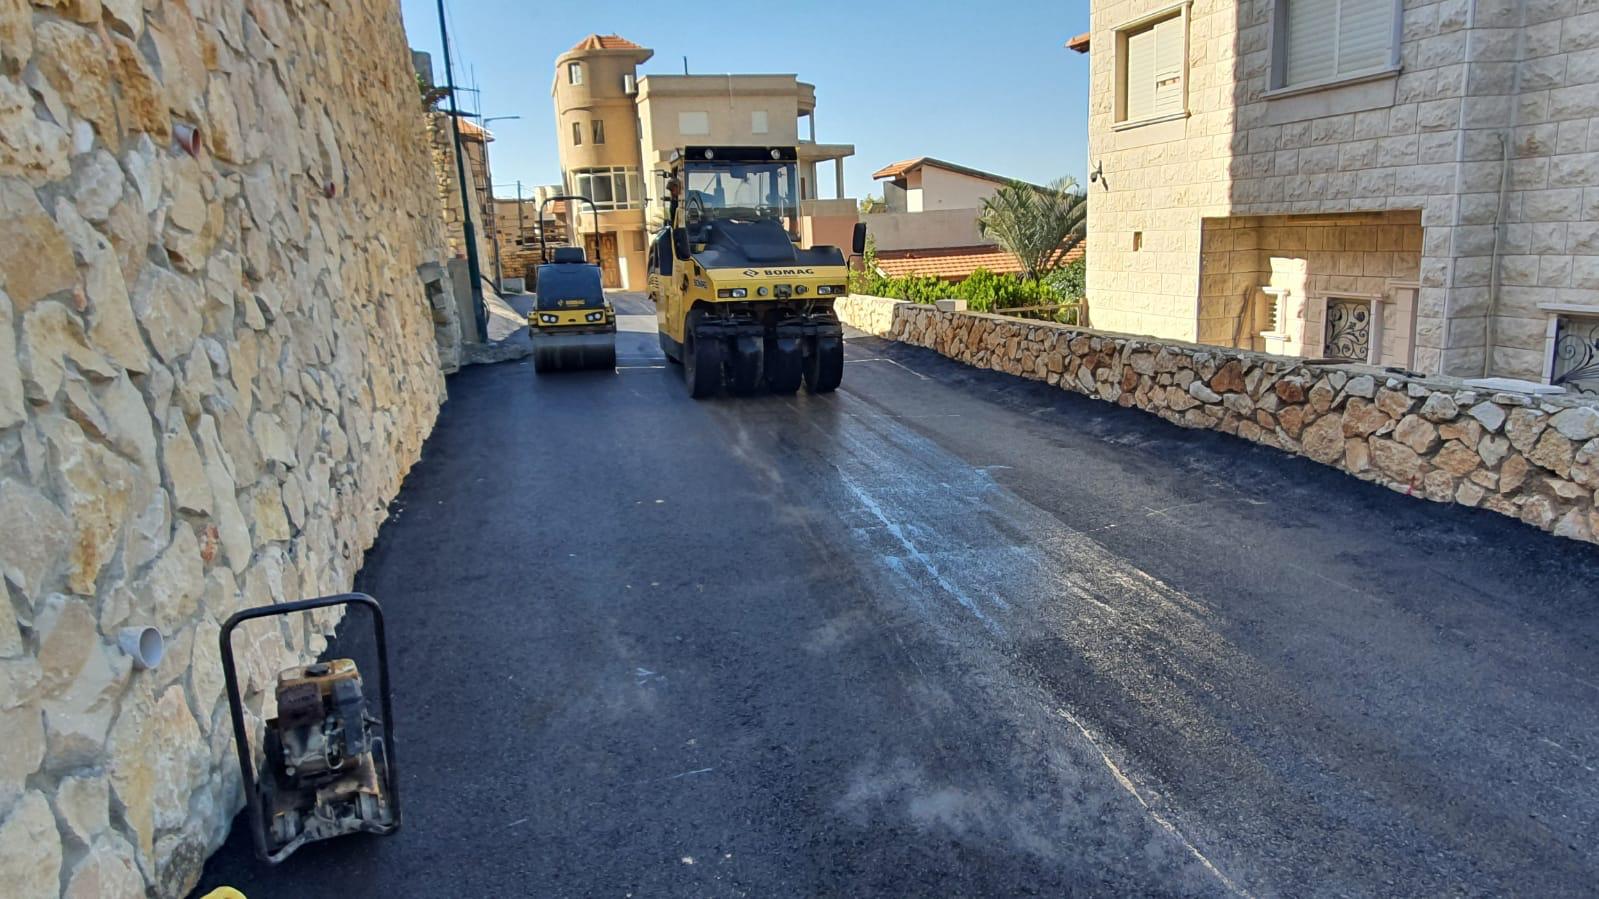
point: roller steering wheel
(695, 199)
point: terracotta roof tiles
(953, 263)
(605, 42)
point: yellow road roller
(572, 324)
(737, 299)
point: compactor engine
(320, 778)
(737, 299)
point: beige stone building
(617, 129)
(1413, 183)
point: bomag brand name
(778, 272)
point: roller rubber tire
(744, 366)
(702, 365)
(784, 363)
(824, 365)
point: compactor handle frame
(594, 210)
(241, 736)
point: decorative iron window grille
(1348, 329)
(1577, 355)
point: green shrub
(1070, 280)
(983, 290)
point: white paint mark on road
(515, 823)
(1165, 824)
(691, 773)
(893, 363)
(912, 550)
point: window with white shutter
(1152, 68)
(1170, 50)
(1328, 40)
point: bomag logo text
(778, 272)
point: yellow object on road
(224, 893)
(572, 324)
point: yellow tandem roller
(572, 324)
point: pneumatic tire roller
(738, 300)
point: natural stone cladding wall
(217, 363)
(1532, 458)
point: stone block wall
(1532, 458)
(449, 191)
(217, 363)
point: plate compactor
(572, 324)
(328, 768)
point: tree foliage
(1038, 225)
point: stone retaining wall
(1529, 457)
(217, 363)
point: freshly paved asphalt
(951, 633)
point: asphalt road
(951, 633)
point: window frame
(574, 74)
(577, 133)
(1277, 56)
(626, 176)
(598, 132)
(1118, 112)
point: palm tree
(1038, 225)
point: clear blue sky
(985, 84)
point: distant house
(926, 184)
(930, 226)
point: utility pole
(474, 267)
(488, 194)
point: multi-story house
(928, 221)
(617, 130)
(1410, 183)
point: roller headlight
(760, 291)
(594, 317)
(799, 290)
(823, 290)
(549, 319)
(735, 293)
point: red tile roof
(605, 42)
(954, 263)
(909, 165)
(1079, 43)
